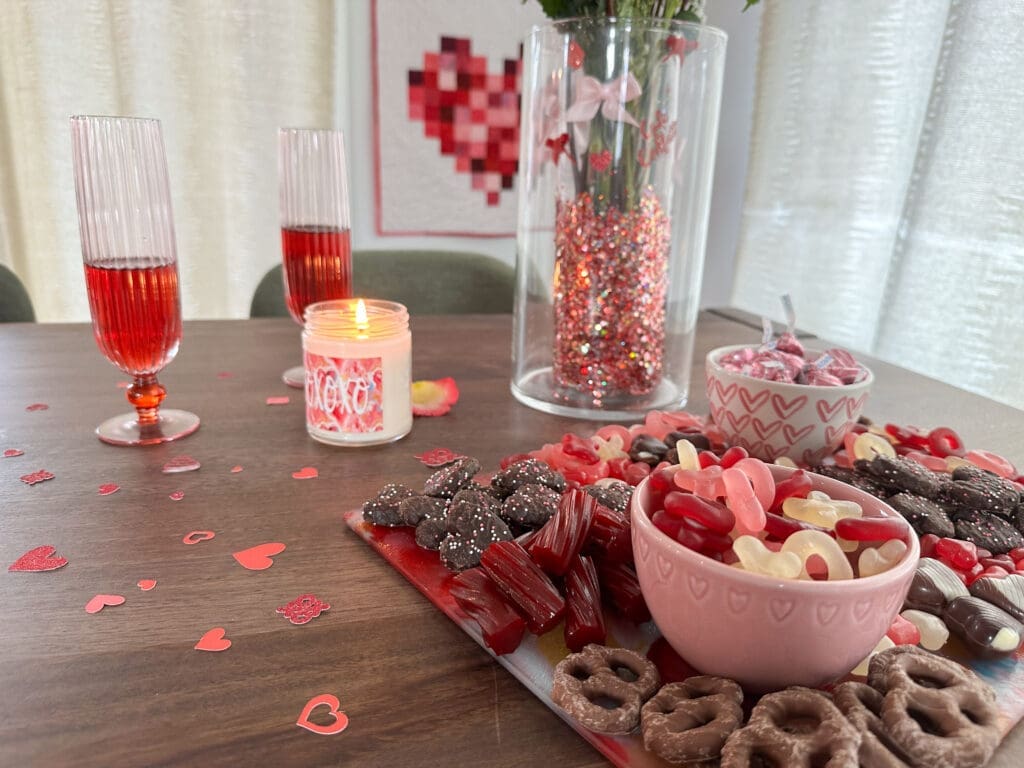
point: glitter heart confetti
(176, 496)
(10, 453)
(438, 457)
(39, 559)
(108, 488)
(303, 609)
(39, 476)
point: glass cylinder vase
(619, 124)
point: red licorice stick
(523, 583)
(610, 534)
(477, 595)
(621, 590)
(872, 528)
(584, 621)
(962, 555)
(710, 514)
(796, 485)
(943, 442)
(781, 528)
(561, 538)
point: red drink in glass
(136, 315)
(317, 266)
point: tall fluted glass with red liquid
(131, 268)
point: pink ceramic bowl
(765, 633)
(772, 419)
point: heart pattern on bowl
(473, 113)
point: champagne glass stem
(146, 394)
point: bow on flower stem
(610, 98)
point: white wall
(356, 118)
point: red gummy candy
(621, 590)
(584, 621)
(961, 555)
(1017, 554)
(515, 458)
(663, 479)
(523, 583)
(781, 528)
(666, 523)
(796, 485)
(636, 472)
(700, 539)
(733, 455)
(710, 514)
(610, 535)
(562, 537)
(999, 561)
(908, 435)
(872, 528)
(903, 632)
(943, 442)
(992, 572)
(707, 459)
(617, 467)
(477, 595)
(576, 446)
(928, 542)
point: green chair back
(15, 304)
(427, 282)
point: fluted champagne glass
(316, 246)
(131, 267)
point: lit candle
(358, 358)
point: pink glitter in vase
(611, 281)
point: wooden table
(124, 687)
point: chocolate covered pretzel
(936, 711)
(584, 682)
(690, 721)
(862, 706)
(798, 728)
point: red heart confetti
(39, 559)
(213, 640)
(258, 558)
(10, 453)
(176, 496)
(438, 457)
(279, 400)
(181, 464)
(303, 609)
(236, 469)
(37, 407)
(37, 477)
(306, 473)
(108, 488)
(331, 702)
(194, 537)
(100, 602)
(600, 160)
(434, 398)
(146, 584)
(224, 375)
(576, 55)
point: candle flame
(362, 321)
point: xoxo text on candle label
(344, 394)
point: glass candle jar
(358, 361)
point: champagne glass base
(126, 430)
(295, 377)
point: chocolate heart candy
(934, 585)
(988, 631)
(531, 505)
(1006, 593)
(524, 472)
(383, 508)
(450, 480)
(924, 515)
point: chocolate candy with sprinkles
(901, 474)
(988, 531)
(415, 509)
(448, 481)
(462, 549)
(924, 515)
(431, 532)
(531, 505)
(509, 480)
(615, 495)
(383, 508)
(976, 489)
(859, 480)
(477, 499)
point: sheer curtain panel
(886, 183)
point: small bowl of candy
(780, 400)
(767, 575)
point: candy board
(534, 661)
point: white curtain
(221, 76)
(886, 183)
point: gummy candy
(934, 632)
(868, 445)
(817, 509)
(943, 442)
(871, 528)
(903, 631)
(958, 554)
(710, 514)
(992, 462)
(875, 560)
(797, 484)
(804, 544)
(741, 499)
(760, 478)
(755, 557)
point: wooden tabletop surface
(124, 687)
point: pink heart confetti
(10, 453)
(123, 384)
(323, 700)
(303, 609)
(37, 477)
(37, 407)
(224, 375)
(236, 469)
(146, 584)
(279, 400)
(306, 473)
(176, 496)
(108, 488)
(258, 558)
(181, 464)
(438, 457)
(39, 559)
(194, 537)
(213, 640)
(100, 602)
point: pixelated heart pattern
(473, 113)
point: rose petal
(434, 398)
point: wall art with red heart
(446, 114)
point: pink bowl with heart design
(772, 418)
(763, 632)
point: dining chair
(15, 304)
(427, 282)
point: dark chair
(427, 282)
(15, 305)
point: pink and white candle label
(344, 395)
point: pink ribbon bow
(610, 97)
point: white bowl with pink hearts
(772, 418)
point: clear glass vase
(619, 123)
